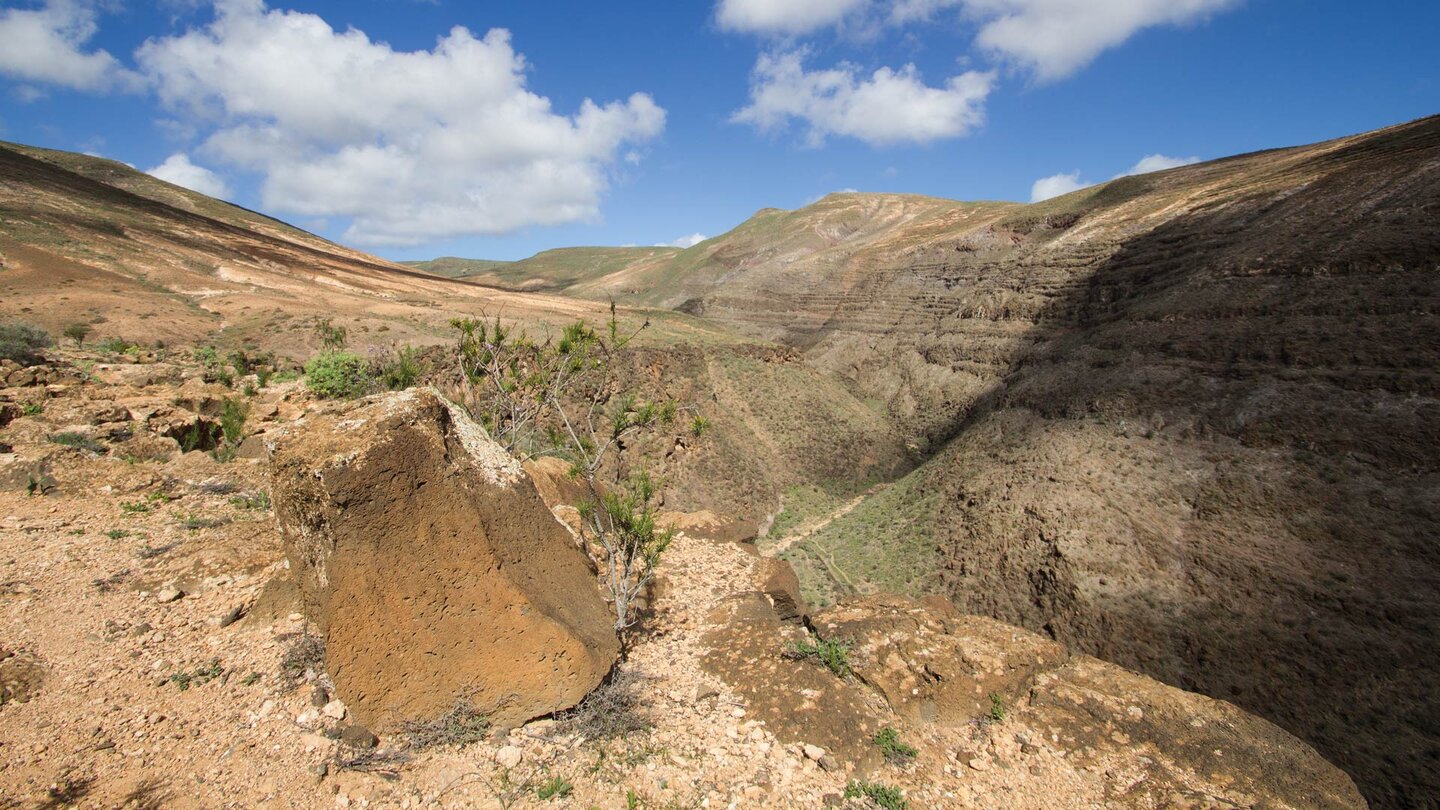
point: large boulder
(432, 568)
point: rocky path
(809, 528)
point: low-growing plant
(79, 441)
(21, 343)
(199, 677)
(461, 725)
(232, 428)
(997, 708)
(698, 426)
(885, 796)
(259, 502)
(337, 375)
(196, 522)
(832, 653)
(117, 534)
(149, 552)
(614, 710)
(556, 787)
(305, 653)
(398, 369)
(134, 507)
(251, 679)
(332, 337)
(116, 345)
(32, 408)
(896, 752)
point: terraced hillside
(1187, 422)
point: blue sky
(415, 129)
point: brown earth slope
(1186, 421)
(1195, 432)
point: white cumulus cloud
(1052, 38)
(1055, 185)
(179, 170)
(685, 241)
(784, 16)
(1058, 184)
(48, 45)
(887, 107)
(1055, 38)
(411, 146)
(1158, 163)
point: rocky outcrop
(914, 665)
(432, 568)
(931, 663)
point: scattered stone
(319, 696)
(509, 756)
(335, 710)
(814, 752)
(358, 737)
(168, 593)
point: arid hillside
(88, 240)
(1187, 422)
(1184, 420)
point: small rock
(814, 752)
(979, 764)
(320, 770)
(334, 710)
(358, 737)
(1029, 749)
(509, 756)
(319, 696)
(828, 763)
(168, 593)
(308, 717)
(231, 616)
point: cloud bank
(411, 146)
(49, 45)
(885, 108)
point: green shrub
(895, 751)
(115, 345)
(232, 428)
(32, 408)
(997, 708)
(22, 343)
(337, 375)
(78, 440)
(78, 332)
(890, 798)
(399, 370)
(833, 654)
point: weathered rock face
(799, 701)
(432, 567)
(933, 664)
(927, 665)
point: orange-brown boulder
(432, 568)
